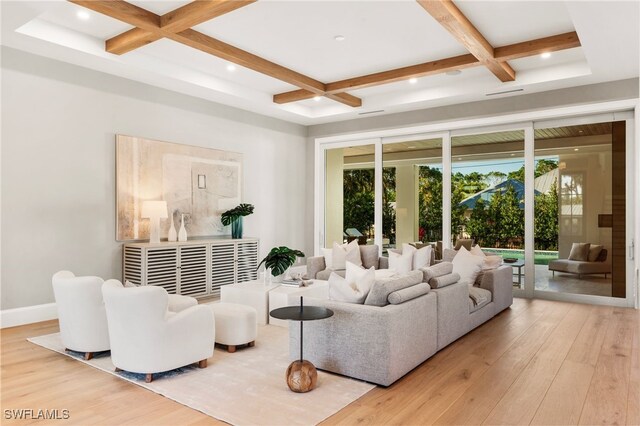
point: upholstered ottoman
(235, 324)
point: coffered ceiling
(320, 61)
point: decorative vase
(236, 228)
(182, 234)
(173, 234)
(278, 278)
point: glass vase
(236, 228)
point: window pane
(349, 195)
(412, 197)
(487, 195)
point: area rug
(244, 388)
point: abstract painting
(200, 183)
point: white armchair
(147, 338)
(81, 313)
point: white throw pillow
(327, 253)
(341, 254)
(421, 256)
(344, 290)
(477, 250)
(401, 263)
(467, 265)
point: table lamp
(154, 211)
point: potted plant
(234, 217)
(279, 260)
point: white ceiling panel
(379, 35)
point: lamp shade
(154, 209)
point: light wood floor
(540, 362)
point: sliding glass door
(530, 192)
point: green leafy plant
(236, 212)
(280, 259)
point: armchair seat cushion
(178, 303)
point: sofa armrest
(499, 282)
(315, 265)
(376, 344)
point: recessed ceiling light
(576, 149)
(83, 14)
(317, 98)
(231, 68)
(413, 80)
(545, 55)
(513, 155)
(411, 146)
(459, 158)
(339, 38)
(453, 72)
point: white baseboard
(28, 315)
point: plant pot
(279, 278)
(236, 228)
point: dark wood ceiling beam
(454, 21)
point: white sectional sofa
(380, 344)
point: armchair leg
(231, 348)
(118, 370)
(202, 363)
(148, 378)
(251, 344)
(88, 356)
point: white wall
(58, 168)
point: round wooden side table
(302, 375)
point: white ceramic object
(173, 234)
(182, 234)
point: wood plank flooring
(540, 362)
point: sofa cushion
(401, 263)
(324, 275)
(327, 253)
(467, 265)
(448, 255)
(341, 254)
(444, 280)
(369, 255)
(576, 267)
(594, 252)
(437, 270)
(579, 251)
(409, 293)
(379, 294)
(478, 298)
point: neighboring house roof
(543, 183)
(487, 194)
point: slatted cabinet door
(223, 266)
(162, 268)
(133, 265)
(247, 261)
(193, 276)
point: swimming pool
(541, 257)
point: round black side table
(302, 375)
